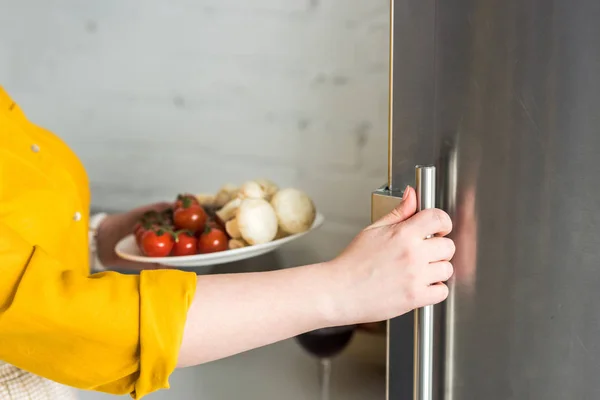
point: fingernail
(405, 194)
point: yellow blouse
(106, 332)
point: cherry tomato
(139, 229)
(190, 217)
(148, 219)
(212, 240)
(144, 226)
(186, 199)
(157, 243)
(186, 244)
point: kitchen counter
(280, 371)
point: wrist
(329, 297)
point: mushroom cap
(295, 210)
(228, 211)
(256, 221)
(252, 190)
(268, 186)
(232, 229)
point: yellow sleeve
(106, 332)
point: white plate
(128, 249)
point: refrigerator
(502, 98)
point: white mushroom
(228, 211)
(294, 209)
(225, 195)
(268, 186)
(258, 189)
(256, 221)
(237, 244)
(252, 190)
(232, 228)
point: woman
(122, 334)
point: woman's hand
(114, 228)
(390, 268)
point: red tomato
(186, 244)
(186, 200)
(212, 240)
(143, 227)
(191, 218)
(157, 243)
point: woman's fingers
(404, 210)
(428, 222)
(439, 249)
(436, 293)
(439, 271)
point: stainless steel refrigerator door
(412, 142)
(506, 96)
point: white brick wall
(164, 96)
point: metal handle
(423, 349)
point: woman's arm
(387, 270)
(237, 312)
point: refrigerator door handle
(425, 182)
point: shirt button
(35, 148)
(77, 216)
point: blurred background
(161, 97)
